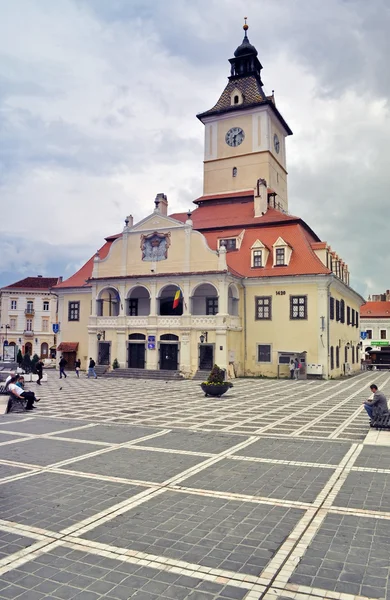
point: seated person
(7, 381)
(16, 390)
(377, 406)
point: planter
(215, 389)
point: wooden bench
(382, 422)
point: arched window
(234, 172)
(337, 357)
(137, 336)
(331, 358)
(346, 354)
(236, 99)
(170, 337)
(44, 350)
(353, 355)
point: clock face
(235, 136)
(276, 144)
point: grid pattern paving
(265, 493)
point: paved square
(100, 535)
(297, 450)
(349, 555)
(368, 491)
(40, 451)
(54, 501)
(143, 465)
(225, 534)
(262, 479)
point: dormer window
(229, 243)
(280, 257)
(236, 97)
(259, 255)
(281, 253)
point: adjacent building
(28, 310)
(375, 324)
(237, 281)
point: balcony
(29, 312)
(27, 333)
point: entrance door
(206, 357)
(136, 356)
(168, 356)
(70, 357)
(104, 353)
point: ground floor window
(264, 353)
(331, 358)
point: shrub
(115, 364)
(26, 363)
(217, 377)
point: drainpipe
(245, 344)
(328, 327)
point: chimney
(161, 203)
(60, 279)
(261, 198)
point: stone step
(201, 375)
(144, 374)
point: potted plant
(216, 384)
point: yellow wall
(341, 333)
(75, 331)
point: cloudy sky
(97, 114)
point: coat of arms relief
(155, 246)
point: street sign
(151, 342)
(363, 335)
(380, 343)
(5, 343)
(56, 327)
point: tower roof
(246, 47)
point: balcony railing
(28, 333)
(29, 311)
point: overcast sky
(97, 114)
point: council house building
(239, 281)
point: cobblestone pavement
(121, 489)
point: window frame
(263, 362)
(338, 310)
(45, 325)
(331, 308)
(132, 307)
(74, 310)
(263, 305)
(29, 325)
(227, 241)
(380, 334)
(331, 358)
(280, 252)
(348, 315)
(46, 303)
(337, 357)
(369, 334)
(212, 305)
(305, 308)
(257, 253)
(16, 305)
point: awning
(68, 347)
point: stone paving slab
(44, 452)
(364, 490)
(213, 532)
(197, 441)
(9, 470)
(11, 543)
(376, 457)
(297, 450)
(268, 480)
(143, 465)
(56, 501)
(7, 437)
(66, 573)
(112, 434)
(349, 554)
(37, 426)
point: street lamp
(203, 337)
(101, 335)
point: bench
(14, 401)
(382, 422)
(3, 390)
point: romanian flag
(176, 299)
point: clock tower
(245, 134)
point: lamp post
(4, 339)
(101, 335)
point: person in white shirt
(20, 393)
(11, 374)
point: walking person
(297, 366)
(38, 368)
(62, 364)
(77, 366)
(377, 406)
(18, 391)
(292, 369)
(91, 369)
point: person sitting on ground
(377, 406)
(16, 390)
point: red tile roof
(249, 194)
(79, 279)
(34, 283)
(68, 346)
(374, 310)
